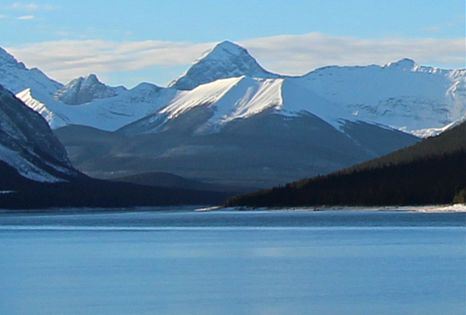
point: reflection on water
(233, 263)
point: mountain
(403, 95)
(106, 113)
(430, 172)
(16, 77)
(225, 60)
(86, 89)
(28, 145)
(36, 172)
(260, 151)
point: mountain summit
(402, 64)
(225, 60)
(85, 89)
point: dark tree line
(17, 192)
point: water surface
(231, 262)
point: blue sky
(292, 36)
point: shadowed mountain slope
(430, 172)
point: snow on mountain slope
(402, 95)
(232, 98)
(86, 89)
(205, 94)
(50, 112)
(108, 113)
(28, 145)
(240, 98)
(230, 83)
(245, 97)
(15, 77)
(92, 102)
(225, 60)
(24, 167)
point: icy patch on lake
(428, 208)
(449, 208)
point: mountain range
(228, 121)
(402, 95)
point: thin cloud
(25, 17)
(67, 59)
(432, 29)
(296, 54)
(286, 54)
(24, 6)
(31, 6)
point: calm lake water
(232, 262)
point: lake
(233, 262)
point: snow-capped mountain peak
(85, 89)
(225, 50)
(225, 60)
(91, 79)
(7, 59)
(402, 64)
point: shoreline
(447, 208)
(425, 208)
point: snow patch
(445, 208)
(106, 114)
(26, 168)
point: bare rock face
(84, 90)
